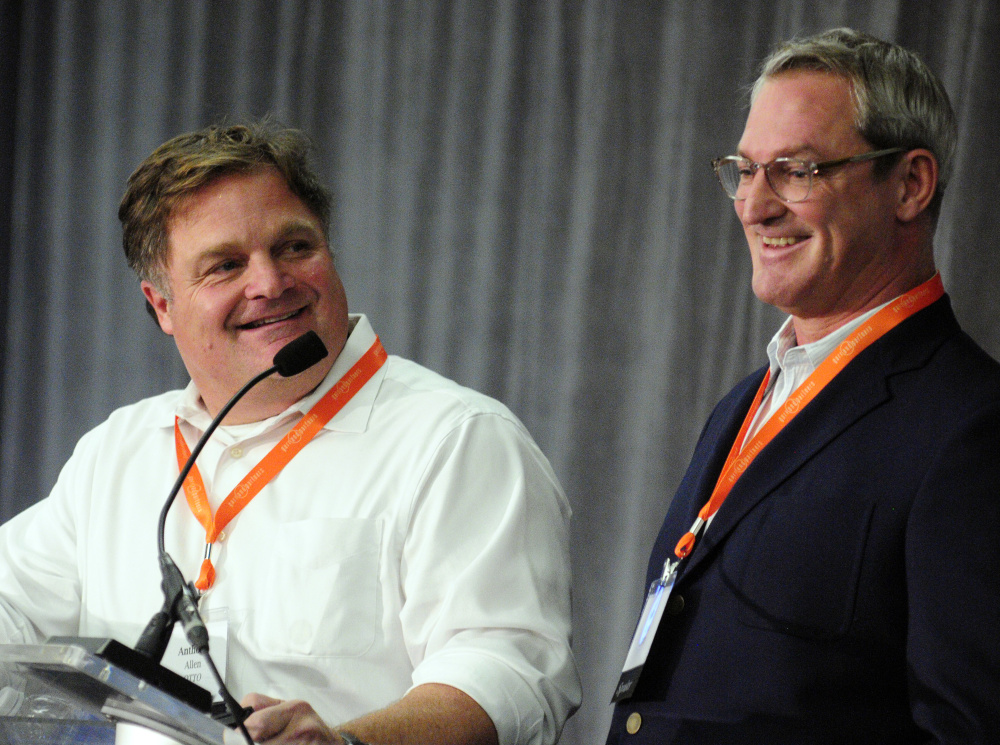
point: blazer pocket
(799, 570)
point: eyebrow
(291, 227)
(803, 152)
(297, 225)
(287, 229)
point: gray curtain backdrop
(523, 203)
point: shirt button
(633, 723)
(236, 452)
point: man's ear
(919, 169)
(158, 306)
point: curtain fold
(523, 202)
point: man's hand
(277, 722)
(430, 714)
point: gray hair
(898, 101)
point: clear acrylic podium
(68, 693)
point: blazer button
(675, 605)
(633, 723)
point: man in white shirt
(401, 578)
(829, 569)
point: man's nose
(760, 202)
(267, 278)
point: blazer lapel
(720, 439)
(860, 387)
(706, 462)
(820, 422)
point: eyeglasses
(790, 178)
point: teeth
(778, 241)
(265, 321)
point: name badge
(645, 631)
(187, 662)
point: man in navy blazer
(847, 590)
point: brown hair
(188, 162)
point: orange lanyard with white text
(294, 440)
(740, 458)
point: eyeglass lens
(789, 178)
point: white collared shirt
(420, 537)
(791, 365)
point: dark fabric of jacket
(848, 590)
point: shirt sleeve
(486, 577)
(40, 589)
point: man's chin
(266, 341)
(779, 292)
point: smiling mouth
(786, 241)
(268, 321)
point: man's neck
(272, 395)
(813, 328)
(809, 330)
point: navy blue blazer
(848, 590)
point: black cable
(161, 526)
(234, 708)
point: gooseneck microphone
(298, 355)
(180, 597)
(181, 603)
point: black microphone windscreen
(300, 354)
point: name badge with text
(184, 660)
(645, 631)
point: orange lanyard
(740, 459)
(294, 440)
